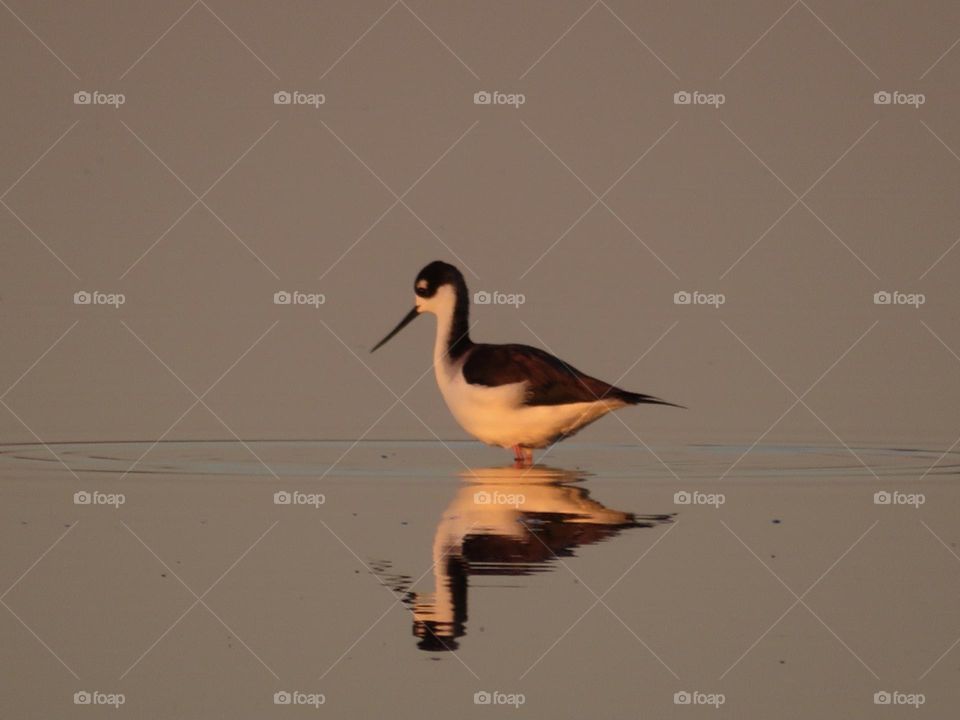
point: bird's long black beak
(410, 317)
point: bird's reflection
(507, 521)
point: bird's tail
(633, 398)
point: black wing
(550, 381)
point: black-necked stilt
(507, 395)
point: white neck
(442, 305)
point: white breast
(497, 415)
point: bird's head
(437, 289)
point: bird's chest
(481, 410)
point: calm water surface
(400, 577)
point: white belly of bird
(497, 415)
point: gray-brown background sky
(302, 198)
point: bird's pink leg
(522, 457)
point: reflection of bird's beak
(410, 317)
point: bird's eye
(421, 291)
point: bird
(511, 396)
